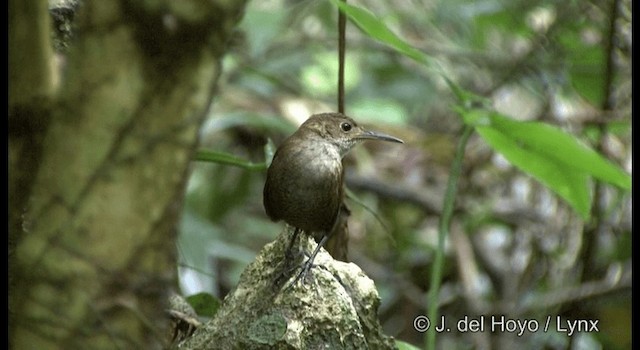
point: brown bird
(305, 180)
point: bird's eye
(345, 126)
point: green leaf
(552, 143)
(228, 159)
(569, 183)
(562, 147)
(204, 304)
(554, 157)
(376, 29)
(474, 117)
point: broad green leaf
(474, 117)
(552, 143)
(562, 147)
(568, 182)
(376, 29)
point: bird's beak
(374, 135)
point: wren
(305, 180)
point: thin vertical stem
(595, 225)
(443, 232)
(342, 24)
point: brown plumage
(304, 185)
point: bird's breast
(304, 186)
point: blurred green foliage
(538, 79)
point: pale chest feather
(325, 162)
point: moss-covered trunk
(98, 165)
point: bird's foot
(305, 272)
(286, 268)
(291, 256)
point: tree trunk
(97, 169)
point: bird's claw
(304, 272)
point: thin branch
(342, 24)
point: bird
(304, 185)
